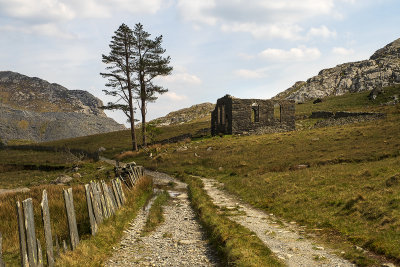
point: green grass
(94, 251)
(155, 216)
(353, 102)
(345, 181)
(237, 245)
(115, 142)
(343, 190)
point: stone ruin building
(238, 116)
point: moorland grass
(8, 222)
(95, 250)
(116, 142)
(342, 190)
(155, 216)
(237, 245)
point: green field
(343, 180)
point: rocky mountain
(34, 109)
(186, 115)
(382, 69)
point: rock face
(33, 109)
(34, 94)
(187, 114)
(382, 69)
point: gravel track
(178, 241)
(286, 240)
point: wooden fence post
(102, 201)
(121, 191)
(65, 247)
(2, 264)
(96, 203)
(92, 219)
(22, 236)
(116, 194)
(47, 229)
(69, 208)
(30, 231)
(39, 254)
(57, 252)
(107, 198)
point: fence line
(1, 251)
(102, 203)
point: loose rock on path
(284, 239)
(178, 241)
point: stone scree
(236, 116)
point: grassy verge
(95, 250)
(155, 216)
(342, 179)
(237, 245)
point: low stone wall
(349, 120)
(344, 114)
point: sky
(245, 48)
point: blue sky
(246, 48)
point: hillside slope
(184, 115)
(382, 69)
(34, 109)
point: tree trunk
(133, 135)
(143, 111)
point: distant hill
(34, 109)
(382, 69)
(195, 112)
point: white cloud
(250, 74)
(46, 17)
(288, 31)
(196, 10)
(51, 30)
(342, 51)
(296, 54)
(261, 18)
(38, 10)
(181, 78)
(175, 97)
(322, 31)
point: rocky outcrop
(34, 94)
(34, 109)
(382, 69)
(47, 126)
(186, 115)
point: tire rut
(286, 240)
(178, 241)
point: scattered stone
(209, 148)
(77, 175)
(220, 169)
(388, 264)
(62, 179)
(102, 149)
(301, 167)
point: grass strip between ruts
(237, 245)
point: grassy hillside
(115, 142)
(343, 181)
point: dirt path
(285, 240)
(178, 241)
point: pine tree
(148, 64)
(121, 67)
